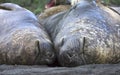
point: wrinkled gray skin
(88, 33)
(22, 39)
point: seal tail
(10, 6)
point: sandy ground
(106, 69)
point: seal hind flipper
(115, 9)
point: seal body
(22, 39)
(88, 33)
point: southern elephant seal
(88, 33)
(22, 39)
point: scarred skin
(52, 3)
(22, 39)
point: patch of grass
(112, 2)
(35, 6)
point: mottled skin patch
(53, 10)
(22, 39)
(86, 34)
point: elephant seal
(89, 33)
(23, 40)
